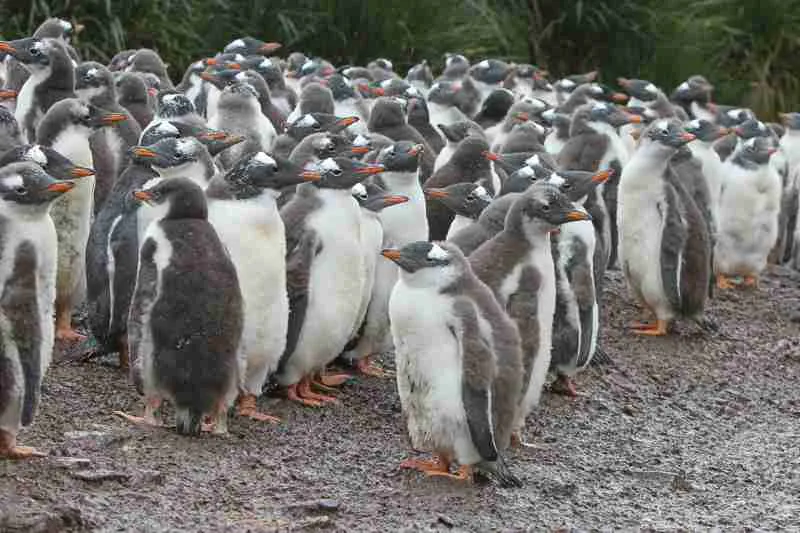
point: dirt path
(682, 432)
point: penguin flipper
(143, 298)
(673, 240)
(476, 389)
(583, 152)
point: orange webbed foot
(367, 367)
(658, 329)
(246, 407)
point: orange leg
(439, 463)
(752, 282)
(724, 282)
(564, 385)
(306, 392)
(246, 406)
(367, 367)
(10, 450)
(658, 329)
(293, 393)
(150, 418)
(64, 331)
(464, 473)
(334, 380)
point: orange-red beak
(688, 137)
(347, 121)
(268, 48)
(8, 95)
(7, 48)
(143, 196)
(436, 193)
(114, 118)
(143, 152)
(369, 170)
(213, 136)
(359, 150)
(619, 98)
(634, 119)
(392, 254)
(60, 186)
(602, 176)
(311, 175)
(81, 172)
(491, 156)
(394, 199)
(416, 149)
(574, 216)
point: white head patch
(526, 172)
(185, 146)
(413, 91)
(329, 164)
(36, 155)
(265, 63)
(238, 57)
(556, 179)
(550, 114)
(91, 72)
(65, 24)
(663, 124)
(166, 127)
(734, 113)
(386, 83)
(750, 143)
(484, 64)
(601, 105)
(13, 181)
(596, 89)
(533, 160)
(264, 159)
(238, 43)
(652, 89)
(360, 141)
(241, 76)
(359, 190)
(389, 64)
(482, 193)
(694, 124)
(683, 86)
(761, 126)
(307, 64)
(169, 98)
(306, 121)
(438, 253)
(567, 84)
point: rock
(46, 521)
(326, 505)
(96, 439)
(70, 462)
(445, 520)
(98, 476)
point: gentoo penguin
(443, 103)
(519, 113)
(664, 246)
(348, 102)
(388, 118)
(304, 125)
(590, 93)
(178, 157)
(419, 118)
(454, 134)
(315, 148)
(707, 133)
(240, 113)
(790, 145)
(175, 107)
(366, 147)
(148, 61)
(459, 363)
(52, 79)
(565, 86)
(525, 136)
(489, 224)
(52, 162)
(420, 76)
(10, 134)
(488, 75)
(468, 165)
(250, 45)
(694, 96)
(495, 108)
(95, 85)
(372, 200)
(133, 95)
(517, 265)
(314, 98)
(645, 94)
(401, 225)
(28, 275)
(187, 313)
(530, 81)
(456, 66)
(748, 214)
(323, 233)
(466, 200)
(121, 60)
(222, 78)
(381, 69)
(243, 210)
(520, 180)
(66, 128)
(193, 87)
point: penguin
(520, 180)
(519, 113)
(645, 94)
(284, 98)
(400, 225)
(509, 163)
(488, 75)
(459, 363)
(517, 265)
(372, 200)
(318, 146)
(95, 85)
(323, 232)
(294, 64)
(443, 100)
(531, 81)
(250, 45)
(466, 200)
(590, 93)
(243, 210)
(419, 119)
(148, 61)
(565, 86)
(468, 165)
(314, 98)
(176, 107)
(366, 147)
(193, 87)
(303, 126)
(707, 133)
(27, 271)
(348, 102)
(52, 79)
(694, 97)
(381, 69)
(121, 60)
(790, 145)
(52, 162)
(495, 108)
(490, 222)
(10, 133)
(525, 136)
(420, 76)
(239, 113)
(268, 109)
(388, 118)
(453, 135)
(66, 128)
(456, 66)
(178, 157)
(748, 214)
(187, 313)
(133, 95)
(664, 245)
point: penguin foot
(724, 282)
(322, 388)
(301, 392)
(138, 420)
(334, 380)
(246, 407)
(21, 452)
(367, 367)
(565, 386)
(751, 282)
(464, 473)
(439, 464)
(658, 329)
(69, 335)
(293, 395)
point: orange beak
(234, 66)
(152, 91)
(522, 117)
(416, 149)
(394, 255)
(211, 61)
(369, 170)
(311, 175)
(8, 95)
(268, 48)
(61, 186)
(602, 176)
(113, 118)
(359, 150)
(725, 131)
(491, 156)
(394, 199)
(634, 119)
(688, 137)
(378, 91)
(207, 76)
(233, 139)
(619, 98)
(436, 193)
(347, 121)
(143, 152)
(7, 48)
(81, 172)
(143, 196)
(213, 136)
(574, 216)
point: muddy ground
(689, 431)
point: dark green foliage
(747, 48)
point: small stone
(98, 476)
(70, 462)
(628, 410)
(328, 505)
(445, 520)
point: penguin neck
(533, 231)
(190, 205)
(71, 141)
(259, 210)
(648, 164)
(700, 111)
(200, 171)
(62, 71)
(442, 278)
(406, 183)
(23, 212)
(102, 97)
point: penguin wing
(476, 389)
(144, 296)
(725, 147)
(583, 152)
(673, 241)
(695, 274)
(301, 249)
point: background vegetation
(750, 49)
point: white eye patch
(36, 155)
(533, 160)
(438, 253)
(526, 172)
(567, 84)
(360, 141)
(359, 190)
(556, 179)
(601, 105)
(695, 124)
(329, 164)
(484, 64)
(750, 143)
(170, 98)
(166, 127)
(186, 146)
(13, 181)
(238, 57)
(683, 86)
(651, 88)
(238, 43)
(91, 72)
(550, 114)
(482, 193)
(264, 159)
(241, 76)
(306, 121)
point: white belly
(447, 115)
(459, 223)
(445, 155)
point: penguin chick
(459, 364)
(134, 95)
(148, 61)
(489, 224)
(186, 317)
(10, 133)
(388, 118)
(466, 200)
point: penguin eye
(316, 126)
(546, 208)
(567, 186)
(336, 172)
(34, 51)
(20, 191)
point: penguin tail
(499, 471)
(188, 421)
(601, 358)
(708, 325)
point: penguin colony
(268, 217)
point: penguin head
(9, 125)
(695, 89)
(251, 45)
(375, 199)
(666, 135)
(524, 177)
(183, 196)
(85, 117)
(130, 88)
(601, 112)
(541, 209)
(465, 199)
(565, 86)
(603, 93)
(642, 90)
(171, 104)
(170, 153)
(328, 144)
(490, 71)
(459, 131)
(55, 28)
(537, 75)
(394, 87)
(92, 79)
(27, 184)
(305, 125)
(469, 153)
(791, 121)
(705, 130)
(33, 52)
(254, 175)
(147, 60)
(525, 111)
(455, 66)
(339, 172)
(402, 156)
(445, 92)
(497, 104)
(294, 63)
(421, 72)
(381, 63)
(268, 69)
(752, 128)
(387, 112)
(417, 110)
(755, 152)
(647, 115)
(577, 184)
(238, 92)
(53, 163)
(121, 60)
(158, 130)
(731, 117)
(423, 260)
(341, 88)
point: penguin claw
(724, 282)
(659, 329)
(69, 335)
(565, 386)
(334, 380)
(246, 407)
(367, 367)
(464, 473)
(437, 464)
